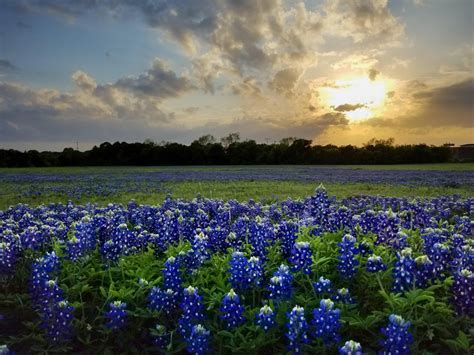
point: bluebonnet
(397, 337)
(326, 323)
(198, 340)
(364, 248)
(404, 271)
(116, 315)
(424, 271)
(322, 286)
(343, 296)
(7, 258)
(231, 310)
(463, 292)
(281, 284)
(171, 275)
(439, 254)
(200, 250)
(351, 347)
(58, 321)
(347, 261)
(192, 310)
(260, 232)
(254, 272)
(161, 338)
(163, 300)
(85, 231)
(375, 264)
(238, 266)
(265, 318)
(301, 257)
(287, 233)
(75, 249)
(297, 330)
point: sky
(81, 72)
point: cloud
(373, 73)
(6, 65)
(332, 119)
(364, 21)
(356, 61)
(285, 80)
(443, 106)
(348, 107)
(135, 98)
(159, 82)
(247, 87)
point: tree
(231, 138)
(205, 140)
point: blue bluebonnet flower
(260, 231)
(463, 292)
(347, 256)
(351, 347)
(326, 323)
(58, 321)
(192, 310)
(171, 275)
(439, 254)
(281, 284)
(297, 330)
(424, 271)
(161, 338)
(85, 231)
(163, 300)
(254, 271)
(287, 233)
(404, 271)
(200, 247)
(322, 286)
(7, 258)
(301, 257)
(116, 315)
(198, 340)
(375, 264)
(238, 266)
(343, 296)
(397, 338)
(265, 319)
(364, 248)
(232, 311)
(75, 249)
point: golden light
(359, 98)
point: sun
(358, 98)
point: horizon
(335, 72)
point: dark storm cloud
(347, 107)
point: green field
(261, 190)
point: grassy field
(266, 191)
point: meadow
(267, 259)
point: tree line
(230, 150)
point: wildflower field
(310, 273)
